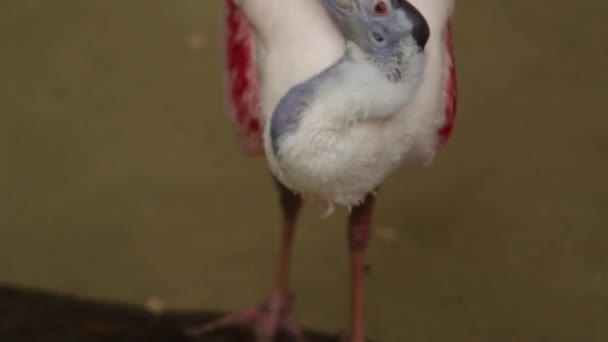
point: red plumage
(451, 91)
(242, 88)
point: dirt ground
(121, 179)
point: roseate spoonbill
(337, 94)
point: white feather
(296, 40)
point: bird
(337, 95)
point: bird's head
(380, 27)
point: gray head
(380, 27)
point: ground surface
(37, 316)
(121, 180)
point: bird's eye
(380, 8)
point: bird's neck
(298, 99)
(393, 62)
(357, 87)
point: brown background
(120, 177)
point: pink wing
(242, 88)
(450, 89)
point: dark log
(39, 316)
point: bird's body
(333, 151)
(337, 94)
(340, 153)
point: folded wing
(241, 79)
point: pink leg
(274, 314)
(290, 207)
(359, 227)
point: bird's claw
(266, 321)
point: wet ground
(120, 177)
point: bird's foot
(266, 320)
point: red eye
(380, 8)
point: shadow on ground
(38, 316)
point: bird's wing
(450, 89)
(241, 78)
